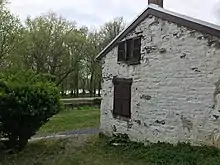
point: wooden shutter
(122, 97)
(129, 48)
(137, 49)
(121, 51)
(126, 102)
(117, 99)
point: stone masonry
(175, 91)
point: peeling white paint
(178, 82)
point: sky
(94, 13)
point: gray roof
(162, 13)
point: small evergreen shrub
(27, 101)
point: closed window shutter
(130, 47)
(121, 51)
(137, 50)
(126, 105)
(117, 99)
(122, 98)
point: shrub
(27, 102)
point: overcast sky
(96, 12)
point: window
(122, 97)
(129, 51)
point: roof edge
(126, 30)
(190, 22)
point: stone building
(161, 79)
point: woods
(51, 44)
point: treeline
(53, 45)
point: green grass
(73, 151)
(91, 150)
(71, 119)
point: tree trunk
(62, 90)
(83, 91)
(91, 84)
(76, 84)
(62, 93)
(72, 93)
(94, 89)
(100, 86)
(77, 92)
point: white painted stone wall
(173, 87)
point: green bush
(27, 101)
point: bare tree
(110, 30)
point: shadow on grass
(45, 152)
(91, 150)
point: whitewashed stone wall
(174, 94)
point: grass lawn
(91, 150)
(83, 117)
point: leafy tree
(10, 32)
(76, 43)
(93, 48)
(52, 45)
(45, 49)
